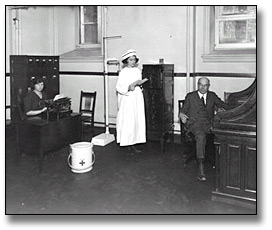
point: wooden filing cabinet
(24, 68)
(159, 101)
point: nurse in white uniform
(131, 127)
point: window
(235, 27)
(90, 26)
(229, 34)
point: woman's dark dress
(33, 102)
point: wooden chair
(8, 120)
(189, 144)
(15, 123)
(87, 109)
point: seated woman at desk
(33, 102)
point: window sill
(82, 55)
(88, 46)
(230, 56)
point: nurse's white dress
(130, 121)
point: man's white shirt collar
(203, 95)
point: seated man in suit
(197, 114)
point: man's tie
(202, 99)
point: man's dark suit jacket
(197, 112)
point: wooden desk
(236, 167)
(38, 136)
(236, 149)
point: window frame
(221, 18)
(210, 54)
(81, 29)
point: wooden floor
(119, 183)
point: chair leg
(87, 132)
(82, 131)
(17, 136)
(92, 129)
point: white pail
(82, 157)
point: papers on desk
(59, 96)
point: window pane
(237, 31)
(90, 32)
(90, 14)
(252, 30)
(236, 10)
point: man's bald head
(203, 85)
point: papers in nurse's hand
(139, 82)
(143, 81)
(58, 96)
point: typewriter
(58, 108)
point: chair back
(17, 105)
(17, 114)
(20, 111)
(185, 134)
(180, 104)
(87, 104)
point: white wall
(8, 48)
(36, 31)
(153, 31)
(65, 19)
